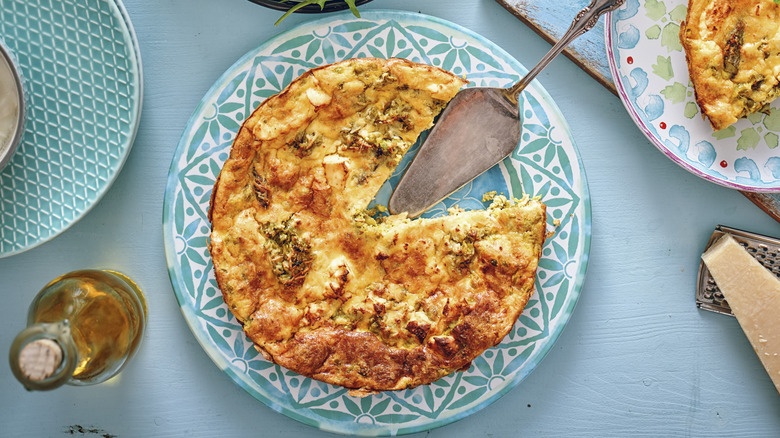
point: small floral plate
(648, 66)
(547, 165)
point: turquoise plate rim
(137, 102)
(192, 320)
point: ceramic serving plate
(83, 81)
(648, 66)
(547, 165)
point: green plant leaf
(350, 3)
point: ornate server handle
(583, 22)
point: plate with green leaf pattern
(647, 62)
(545, 164)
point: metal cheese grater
(764, 248)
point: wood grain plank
(551, 20)
(769, 202)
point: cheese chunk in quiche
(325, 289)
(733, 52)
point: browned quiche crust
(324, 289)
(732, 48)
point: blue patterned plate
(82, 72)
(548, 165)
(648, 66)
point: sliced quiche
(732, 48)
(326, 289)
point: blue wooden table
(637, 357)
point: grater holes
(766, 250)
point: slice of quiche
(732, 48)
(325, 289)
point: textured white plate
(648, 66)
(83, 78)
(548, 166)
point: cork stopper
(39, 359)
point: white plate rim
(610, 41)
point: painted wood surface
(637, 357)
(551, 20)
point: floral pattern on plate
(648, 65)
(547, 165)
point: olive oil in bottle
(82, 329)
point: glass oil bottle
(82, 328)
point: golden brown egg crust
(732, 48)
(323, 288)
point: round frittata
(323, 287)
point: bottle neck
(43, 356)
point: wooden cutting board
(551, 19)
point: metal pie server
(480, 127)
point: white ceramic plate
(648, 66)
(547, 166)
(83, 78)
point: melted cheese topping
(327, 290)
(733, 53)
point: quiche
(732, 48)
(329, 290)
